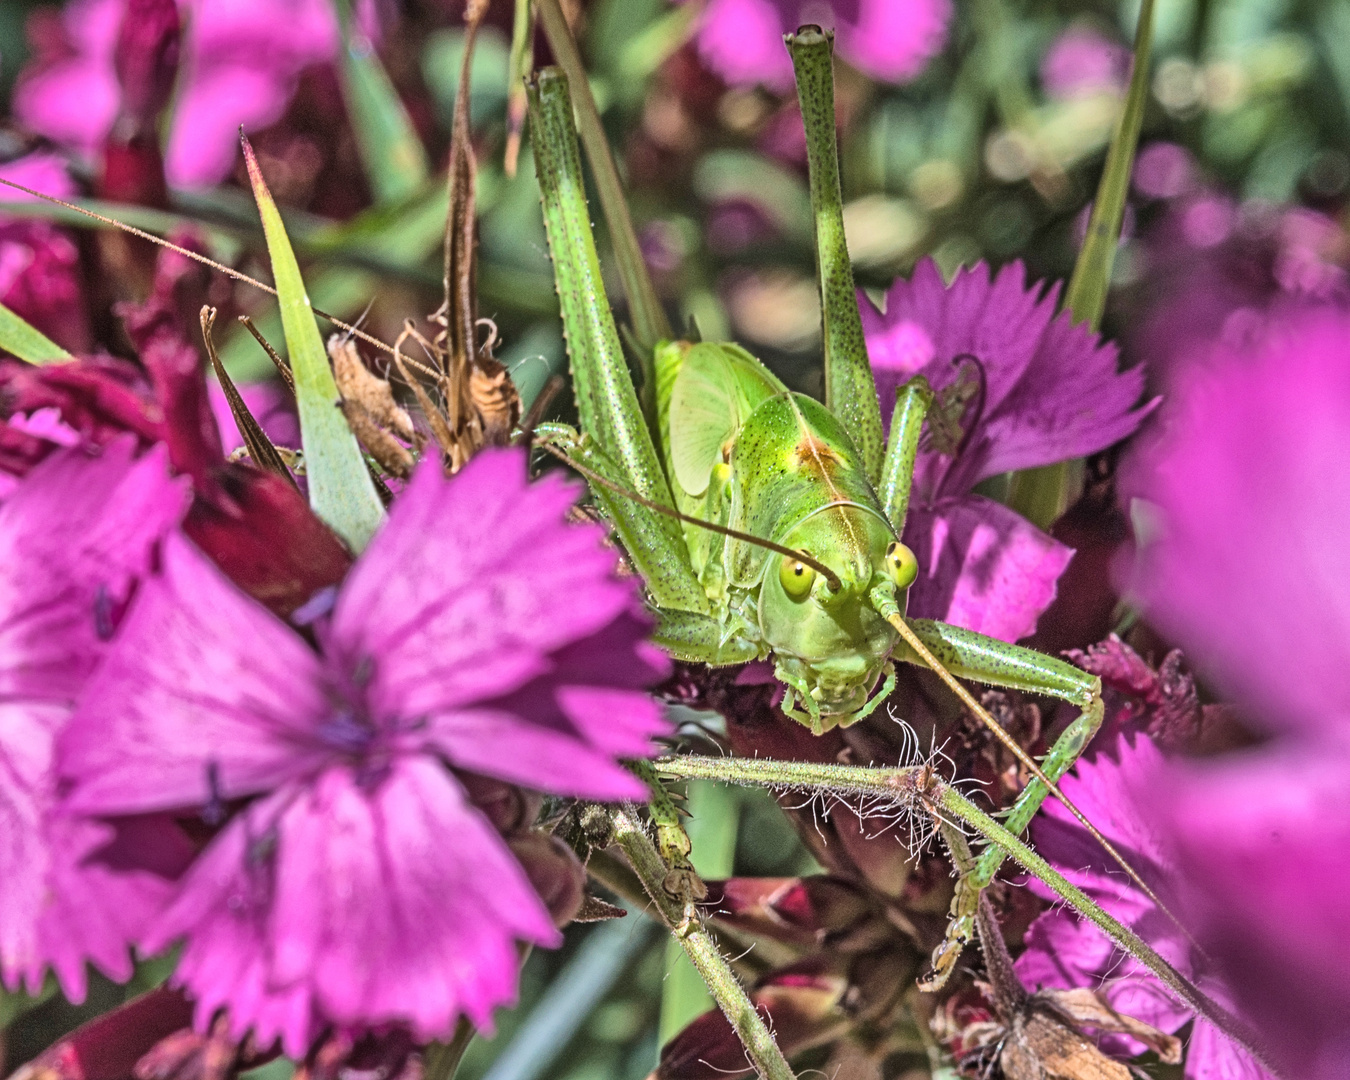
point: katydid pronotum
(734, 448)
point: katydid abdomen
(744, 451)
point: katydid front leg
(987, 660)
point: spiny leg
(950, 650)
(960, 915)
(850, 391)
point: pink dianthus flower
(76, 535)
(1041, 389)
(1248, 570)
(891, 40)
(358, 886)
(240, 65)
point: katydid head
(831, 644)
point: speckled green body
(744, 451)
(734, 449)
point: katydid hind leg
(850, 390)
(606, 400)
(662, 560)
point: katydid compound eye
(901, 565)
(796, 576)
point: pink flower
(891, 40)
(240, 63)
(1081, 61)
(75, 537)
(1038, 389)
(40, 264)
(1248, 571)
(1064, 951)
(270, 405)
(359, 887)
(1214, 270)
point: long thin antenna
(735, 534)
(229, 271)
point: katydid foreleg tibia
(921, 790)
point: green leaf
(1043, 494)
(394, 159)
(27, 342)
(340, 488)
(1091, 279)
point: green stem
(649, 318)
(702, 951)
(850, 391)
(441, 1060)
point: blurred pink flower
(359, 886)
(1037, 389)
(1250, 573)
(891, 40)
(1064, 951)
(241, 60)
(75, 537)
(40, 264)
(1082, 61)
(1164, 170)
(1214, 270)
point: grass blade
(1091, 279)
(27, 342)
(340, 488)
(1042, 494)
(395, 162)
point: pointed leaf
(26, 341)
(340, 488)
(1086, 297)
(395, 162)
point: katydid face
(830, 640)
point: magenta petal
(1263, 840)
(25, 794)
(74, 537)
(478, 598)
(547, 760)
(1251, 572)
(892, 40)
(399, 868)
(107, 883)
(206, 691)
(1052, 390)
(982, 567)
(71, 891)
(742, 40)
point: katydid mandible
(729, 444)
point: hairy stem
(684, 924)
(919, 787)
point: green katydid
(765, 524)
